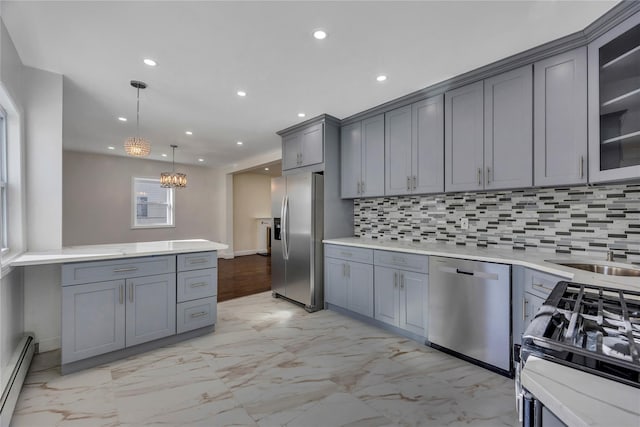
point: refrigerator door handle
(286, 227)
(283, 232)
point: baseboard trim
(19, 365)
(246, 252)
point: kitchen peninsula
(123, 299)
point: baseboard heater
(18, 368)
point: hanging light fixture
(135, 145)
(173, 179)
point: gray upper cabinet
(362, 158)
(414, 148)
(303, 148)
(508, 121)
(488, 128)
(464, 138)
(614, 103)
(560, 119)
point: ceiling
(208, 50)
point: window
(152, 205)
(3, 181)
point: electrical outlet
(464, 223)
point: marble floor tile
(270, 363)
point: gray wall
(97, 200)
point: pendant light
(135, 145)
(173, 179)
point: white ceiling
(207, 50)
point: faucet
(610, 255)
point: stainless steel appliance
(469, 311)
(591, 328)
(296, 256)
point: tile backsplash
(587, 220)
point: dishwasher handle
(469, 273)
(477, 274)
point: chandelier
(135, 145)
(173, 179)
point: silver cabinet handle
(131, 292)
(301, 158)
(541, 286)
(124, 270)
(581, 166)
(198, 285)
(121, 294)
(363, 187)
(524, 308)
(408, 183)
(401, 280)
(395, 279)
(488, 175)
(349, 271)
(358, 190)
(479, 176)
(415, 182)
(344, 270)
(346, 254)
(198, 314)
(198, 261)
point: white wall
(251, 200)
(97, 200)
(11, 319)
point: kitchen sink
(608, 269)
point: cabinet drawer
(404, 261)
(197, 284)
(349, 253)
(102, 271)
(196, 314)
(540, 284)
(197, 261)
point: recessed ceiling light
(201, 160)
(266, 169)
(241, 93)
(163, 155)
(301, 114)
(111, 148)
(150, 62)
(320, 34)
(189, 132)
(381, 78)
(239, 142)
(122, 119)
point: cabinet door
(93, 319)
(427, 135)
(373, 156)
(350, 160)
(312, 145)
(335, 282)
(360, 289)
(508, 121)
(463, 138)
(614, 103)
(291, 151)
(151, 308)
(413, 302)
(387, 296)
(560, 119)
(397, 149)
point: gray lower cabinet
(488, 133)
(349, 284)
(401, 299)
(362, 158)
(414, 148)
(560, 119)
(531, 288)
(197, 290)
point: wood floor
(243, 275)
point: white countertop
(579, 398)
(530, 259)
(115, 250)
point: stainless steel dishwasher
(470, 310)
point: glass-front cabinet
(614, 103)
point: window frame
(4, 184)
(171, 223)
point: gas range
(592, 328)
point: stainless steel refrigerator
(297, 203)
